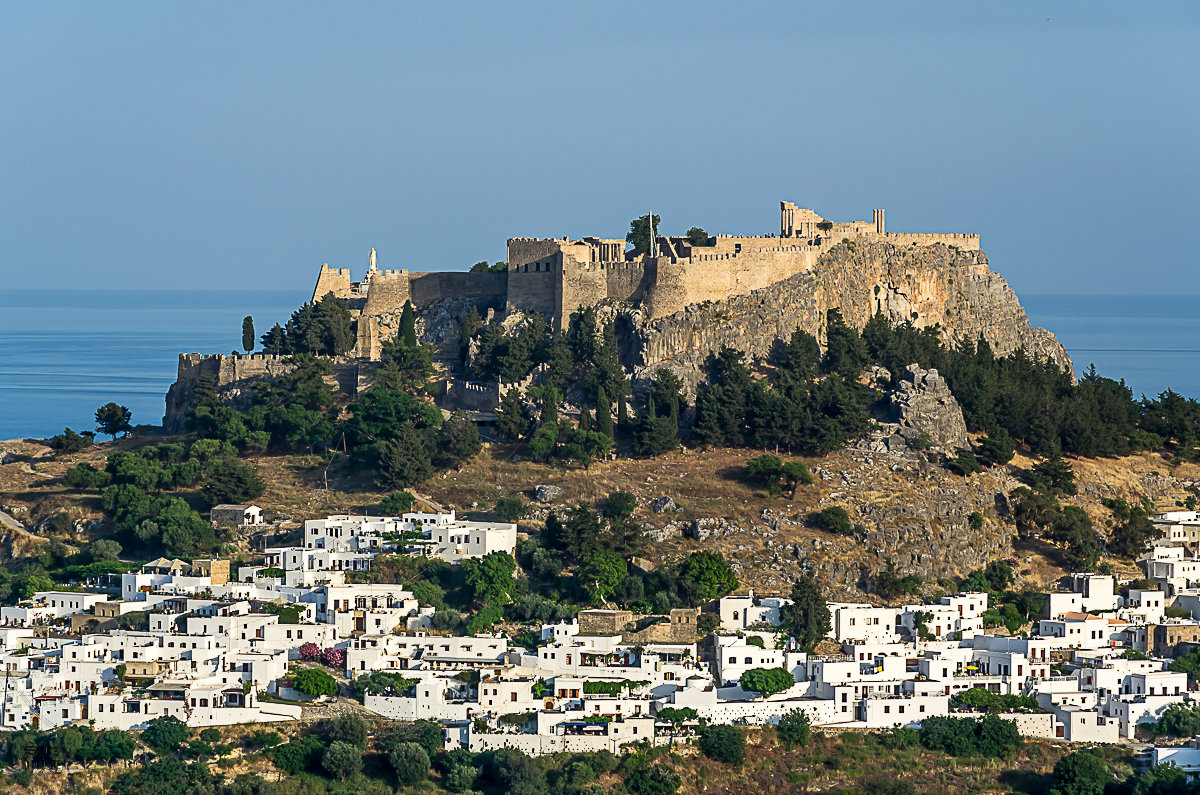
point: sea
(64, 353)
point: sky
(240, 145)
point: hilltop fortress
(675, 305)
(559, 276)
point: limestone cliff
(928, 285)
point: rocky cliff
(928, 285)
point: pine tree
(549, 415)
(408, 326)
(604, 423)
(512, 418)
(248, 333)
(585, 419)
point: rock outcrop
(923, 405)
(925, 285)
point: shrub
(653, 780)
(315, 682)
(793, 728)
(410, 762)
(349, 727)
(342, 760)
(833, 519)
(299, 755)
(1080, 773)
(767, 681)
(509, 509)
(723, 744)
(210, 735)
(397, 503)
(165, 734)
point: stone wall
(434, 286)
(924, 284)
(236, 376)
(387, 291)
(332, 280)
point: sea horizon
(123, 345)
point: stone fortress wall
(559, 276)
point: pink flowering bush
(310, 652)
(334, 658)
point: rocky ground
(914, 512)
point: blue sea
(64, 353)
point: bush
(723, 744)
(315, 682)
(397, 503)
(653, 780)
(767, 681)
(165, 734)
(410, 762)
(964, 463)
(509, 509)
(833, 519)
(210, 735)
(793, 728)
(300, 755)
(1080, 773)
(342, 760)
(992, 737)
(349, 727)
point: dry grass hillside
(915, 513)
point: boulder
(923, 405)
(547, 494)
(664, 505)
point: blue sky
(242, 144)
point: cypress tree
(549, 416)
(248, 333)
(408, 326)
(622, 410)
(604, 423)
(585, 419)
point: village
(224, 647)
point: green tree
(406, 460)
(995, 448)
(112, 419)
(397, 503)
(589, 446)
(793, 728)
(964, 463)
(228, 480)
(491, 577)
(768, 469)
(697, 236)
(1054, 476)
(766, 681)
(315, 682)
(410, 761)
(105, 549)
(604, 421)
(706, 575)
(248, 333)
(509, 509)
(807, 618)
(619, 506)
(349, 727)
(640, 231)
(653, 780)
(1080, 773)
(408, 326)
(600, 573)
(834, 519)
(165, 734)
(342, 760)
(513, 420)
(723, 744)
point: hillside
(915, 513)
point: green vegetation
(807, 618)
(321, 329)
(980, 699)
(723, 744)
(113, 419)
(767, 681)
(990, 737)
(314, 682)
